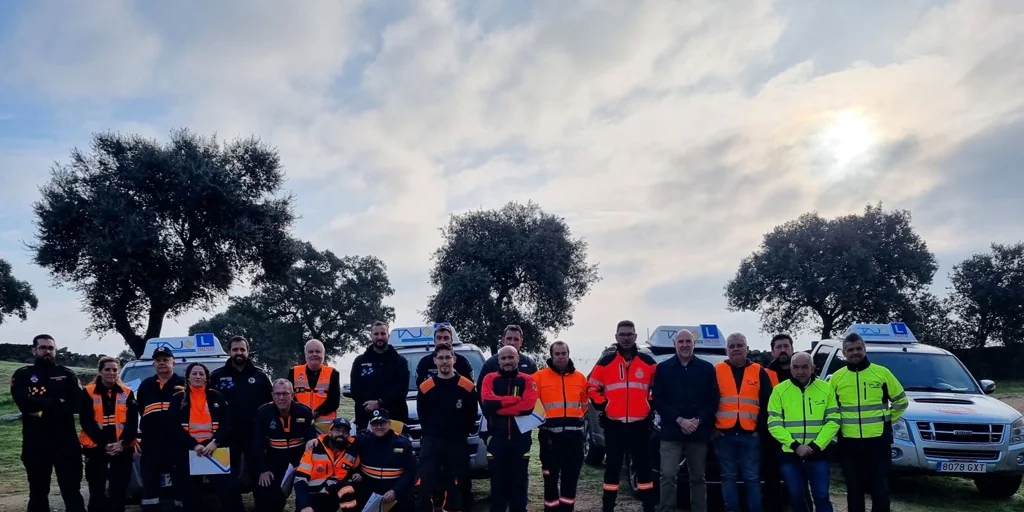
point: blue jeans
(798, 473)
(739, 455)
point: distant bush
(20, 353)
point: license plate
(962, 467)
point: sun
(848, 137)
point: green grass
(1009, 388)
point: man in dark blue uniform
(246, 388)
(380, 379)
(48, 396)
(388, 463)
(280, 435)
(154, 398)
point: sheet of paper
(376, 504)
(534, 420)
(288, 480)
(322, 426)
(218, 463)
(397, 426)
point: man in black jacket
(48, 396)
(771, 465)
(513, 337)
(685, 392)
(154, 396)
(280, 435)
(246, 388)
(380, 380)
(427, 367)
(387, 463)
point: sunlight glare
(848, 137)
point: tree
(512, 265)
(145, 231)
(987, 296)
(332, 299)
(834, 272)
(16, 297)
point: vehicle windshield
(145, 371)
(927, 372)
(476, 360)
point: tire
(998, 487)
(593, 454)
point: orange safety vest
(313, 396)
(118, 419)
(200, 426)
(625, 387)
(738, 405)
(321, 463)
(563, 396)
(772, 376)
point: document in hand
(376, 504)
(288, 481)
(218, 463)
(534, 420)
(322, 426)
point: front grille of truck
(962, 433)
(971, 455)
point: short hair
(443, 328)
(551, 349)
(237, 339)
(379, 323)
(35, 341)
(852, 338)
(442, 346)
(513, 327)
(736, 335)
(780, 337)
(625, 323)
(285, 382)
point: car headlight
(1017, 431)
(900, 430)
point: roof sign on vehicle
(896, 332)
(419, 335)
(704, 335)
(203, 344)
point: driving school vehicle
(199, 348)
(413, 343)
(951, 428)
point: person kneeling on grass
(324, 478)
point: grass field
(917, 494)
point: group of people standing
(769, 423)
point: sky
(671, 135)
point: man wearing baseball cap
(388, 463)
(325, 476)
(154, 398)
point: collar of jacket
(389, 351)
(628, 354)
(513, 373)
(101, 387)
(246, 369)
(863, 365)
(745, 364)
(802, 386)
(775, 365)
(569, 368)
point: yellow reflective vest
(869, 396)
(808, 415)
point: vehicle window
(927, 372)
(838, 361)
(476, 360)
(820, 359)
(146, 371)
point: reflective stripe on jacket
(116, 420)
(313, 395)
(869, 397)
(323, 469)
(564, 396)
(741, 405)
(622, 388)
(806, 415)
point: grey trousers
(696, 462)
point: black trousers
(241, 444)
(154, 462)
(771, 473)
(41, 459)
(188, 488)
(100, 469)
(561, 460)
(866, 467)
(445, 462)
(270, 498)
(508, 461)
(634, 438)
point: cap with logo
(162, 351)
(379, 415)
(340, 423)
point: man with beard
(506, 394)
(317, 385)
(48, 396)
(154, 397)
(771, 469)
(379, 380)
(563, 391)
(324, 478)
(246, 388)
(280, 434)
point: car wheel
(634, 484)
(998, 487)
(593, 454)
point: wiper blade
(935, 389)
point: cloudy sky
(671, 135)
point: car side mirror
(987, 386)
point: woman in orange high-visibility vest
(203, 426)
(110, 422)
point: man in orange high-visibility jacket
(325, 476)
(317, 385)
(741, 419)
(619, 387)
(563, 391)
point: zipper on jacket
(510, 418)
(810, 408)
(627, 364)
(860, 425)
(565, 399)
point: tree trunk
(827, 324)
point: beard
(44, 360)
(240, 360)
(784, 358)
